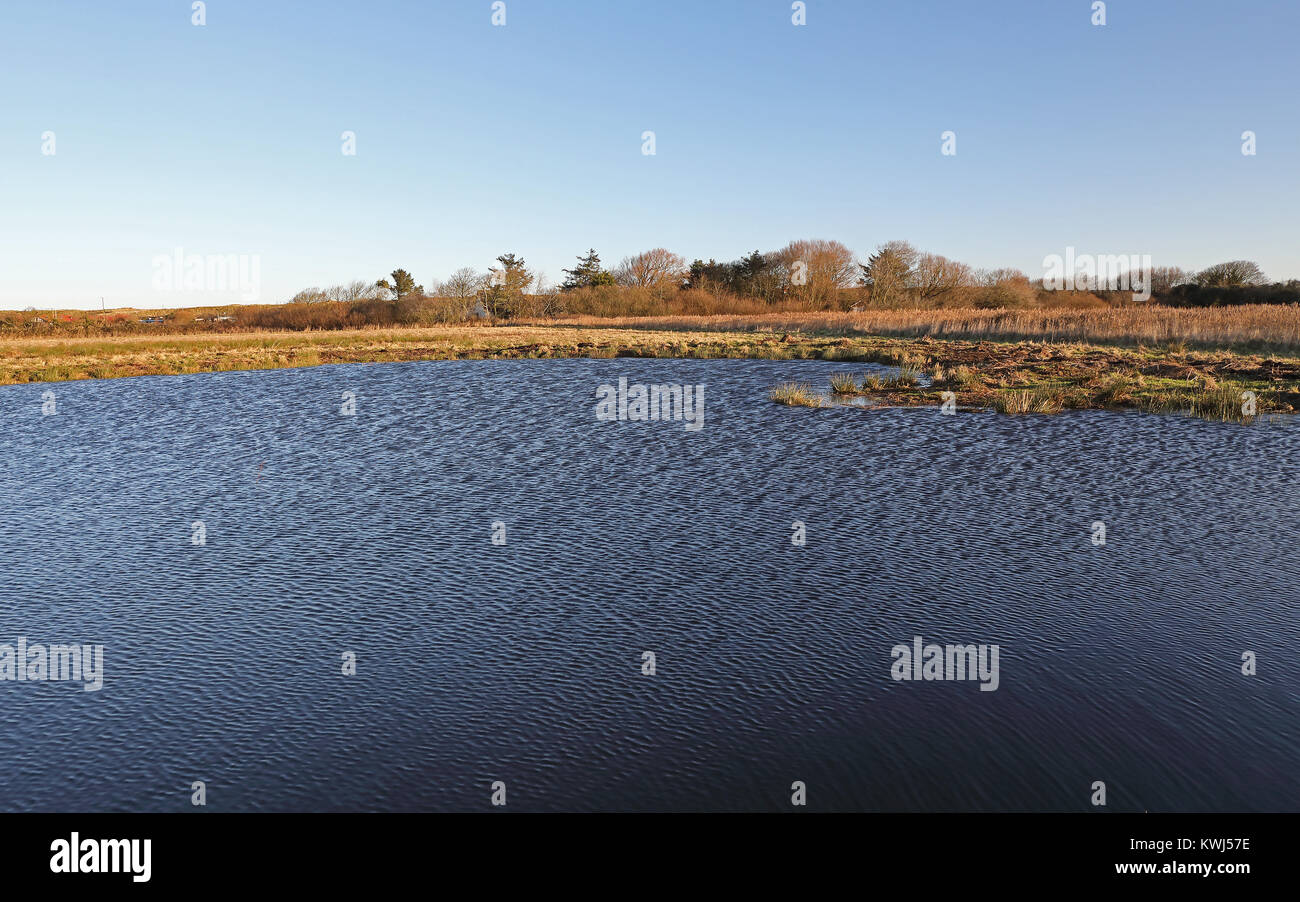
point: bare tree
(547, 299)
(937, 277)
(356, 290)
(658, 268)
(311, 295)
(1164, 278)
(815, 270)
(1233, 274)
(463, 287)
(1004, 288)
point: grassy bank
(1257, 328)
(1005, 375)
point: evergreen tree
(890, 273)
(747, 273)
(402, 285)
(587, 272)
(507, 284)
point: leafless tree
(936, 277)
(1004, 288)
(816, 270)
(463, 284)
(1164, 278)
(356, 290)
(311, 295)
(658, 268)
(1232, 274)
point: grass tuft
(1224, 404)
(796, 394)
(1035, 400)
(844, 384)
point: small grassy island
(1031, 377)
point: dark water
(522, 662)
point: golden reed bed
(1255, 327)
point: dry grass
(1032, 381)
(1073, 374)
(796, 394)
(844, 384)
(1256, 327)
(1037, 400)
(1225, 404)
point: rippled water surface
(522, 662)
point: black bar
(333, 851)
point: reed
(1223, 404)
(796, 394)
(1249, 327)
(1037, 400)
(906, 377)
(844, 384)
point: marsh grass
(1223, 404)
(1031, 376)
(847, 384)
(1118, 389)
(907, 376)
(1247, 328)
(796, 394)
(1035, 400)
(967, 379)
(844, 384)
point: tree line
(809, 275)
(805, 275)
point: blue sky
(473, 140)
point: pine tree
(403, 284)
(889, 273)
(506, 285)
(587, 272)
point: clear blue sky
(473, 140)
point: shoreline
(1051, 375)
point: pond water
(522, 662)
